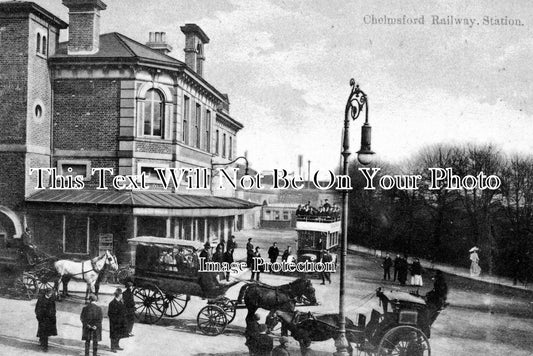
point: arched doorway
(10, 225)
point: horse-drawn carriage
(26, 270)
(167, 275)
(399, 324)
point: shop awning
(142, 202)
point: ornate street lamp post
(356, 101)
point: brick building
(107, 101)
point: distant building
(107, 101)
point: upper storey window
(153, 113)
(41, 47)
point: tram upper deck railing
(319, 218)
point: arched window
(153, 113)
(217, 142)
(44, 46)
(38, 43)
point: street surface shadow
(521, 313)
(57, 345)
(190, 326)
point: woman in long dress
(475, 270)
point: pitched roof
(116, 46)
(134, 199)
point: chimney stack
(84, 25)
(158, 42)
(195, 39)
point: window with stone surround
(186, 112)
(217, 142)
(197, 126)
(153, 114)
(224, 145)
(207, 139)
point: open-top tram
(315, 234)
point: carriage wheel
(175, 304)
(229, 307)
(212, 320)
(149, 304)
(26, 286)
(41, 286)
(404, 340)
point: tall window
(230, 152)
(44, 46)
(224, 145)
(186, 108)
(197, 126)
(207, 144)
(153, 113)
(217, 142)
(38, 49)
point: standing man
(249, 252)
(286, 254)
(206, 252)
(387, 264)
(283, 348)
(45, 312)
(261, 344)
(326, 257)
(129, 305)
(255, 272)
(91, 319)
(397, 263)
(273, 252)
(228, 258)
(117, 326)
(232, 245)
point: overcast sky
(286, 66)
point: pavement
(449, 269)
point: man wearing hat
(117, 322)
(261, 344)
(206, 252)
(283, 348)
(91, 319)
(45, 312)
(129, 305)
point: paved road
(481, 319)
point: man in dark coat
(228, 258)
(232, 245)
(91, 319)
(206, 252)
(397, 263)
(249, 253)
(129, 305)
(403, 268)
(273, 252)
(325, 258)
(260, 343)
(387, 264)
(283, 348)
(45, 312)
(117, 321)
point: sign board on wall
(105, 242)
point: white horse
(87, 271)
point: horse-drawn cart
(400, 324)
(167, 275)
(26, 270)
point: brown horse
(284, 297)
(306, 327)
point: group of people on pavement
(258, 341)
(401, 268)
(120, 313)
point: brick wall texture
(86, 114)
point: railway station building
(108, 101)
